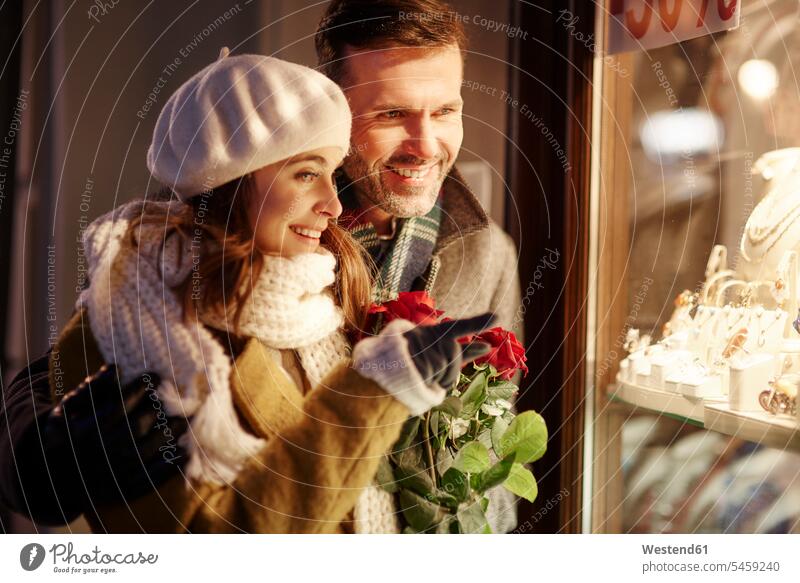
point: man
(400, 64)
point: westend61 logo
(65, 560)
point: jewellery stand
(734, 337)
(748, 377)
(787, 270)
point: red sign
(647, 24)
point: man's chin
(409, 202)
(405, 206)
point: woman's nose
(329, 204)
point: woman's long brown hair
(216, 223)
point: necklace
(761, 226)
(742, 315)
(762, 330)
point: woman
(238, 294)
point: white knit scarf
(136, 319)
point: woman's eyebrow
(309, 158)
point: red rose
(417, 307)
(507, 354)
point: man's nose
(421, 140)
(329, 203)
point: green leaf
(502, 390)
(474, 396)
(472, 518)
(521, 482)
(416, 480)
(495, 475)
(472, 458)
(418, 512)
(411, 457)
(455, 483)
(498, 429)
(385, 476)
(407, 434)
(473, 481)
(485, 438)
(451, 405)
(526, 437)
(444, 499)
(444, 459)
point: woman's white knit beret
(240, 114)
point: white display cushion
(749, 376)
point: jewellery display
(730, 284)
(691, 300)
(773, 226)
(709, 326)
(735, 343)
(633, 341)
(763, 328)
(780, 291)
(733, 337)
(737, 319)
(713, 282)
(781, 397)
(687, 304)
(746, 380)
(703, 316)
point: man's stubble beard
(418, 200)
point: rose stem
(429, 448)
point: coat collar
(462, 213)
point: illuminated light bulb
(669, 135)
(758, 78)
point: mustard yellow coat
(322, 450)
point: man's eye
(446, 111)
(393, 114)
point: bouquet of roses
(446, 460)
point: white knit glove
(412, 363)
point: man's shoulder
(488, 251)
(478, 274)
(493, 237)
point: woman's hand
(118, 441)
(416, 363)
(436, 352)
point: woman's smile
(306, 234)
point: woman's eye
(308, 177)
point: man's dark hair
(376, 24)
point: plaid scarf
(404, 259)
